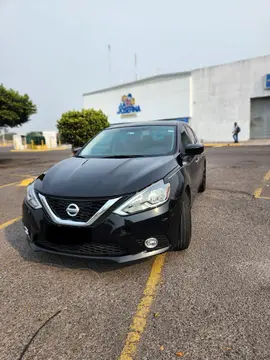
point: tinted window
(156, 140)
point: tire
(203, 183)
(185, 227)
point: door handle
(197, 158)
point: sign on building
(128, 106)
(267, 82)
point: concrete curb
(210, 145)
(221, 144)
(40, 150)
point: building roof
(151, 78)
(166, 75)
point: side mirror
(194, 149)
(75, 150)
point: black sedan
(126, 195)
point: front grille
(163, 242)
(85, 249)
(88, 208)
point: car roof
(147, 123)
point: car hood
(100, 177)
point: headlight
(31, 197)
(152, 197)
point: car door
(198, 158)
(189, 162)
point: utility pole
(135, 66)
(110, 64)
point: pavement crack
(231, 191)
(35, 334)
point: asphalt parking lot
(212, 301)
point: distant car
(124, 196)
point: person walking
(236, 131)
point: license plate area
(64, 235)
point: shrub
(77, 127)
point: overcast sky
(55, 50)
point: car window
(147, 140)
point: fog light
(151, 243)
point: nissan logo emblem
(72, 210)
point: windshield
(152, 140)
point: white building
(210, 99)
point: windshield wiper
(80, 156)
(121, 156)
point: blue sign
(186, 119)
(128, 106)
(267, 82)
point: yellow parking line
(10, 184)
(267, 176)
(10, 222)
(257, 193)
(26, 182)
(139, 320)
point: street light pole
(135, 66)
(110, 65)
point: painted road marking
(258, 192)
(140, 318)
(10, 222)
(10, 184)
(264, 197)
(26, 182)
(267, 176)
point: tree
(77, 127)
(15, 109)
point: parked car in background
(125, 195)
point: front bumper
(117, 238)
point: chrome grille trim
(91, 221)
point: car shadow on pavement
(16, 237)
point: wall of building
(159, 98)
(50, 138)
(221, 96)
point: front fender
(177, 181)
